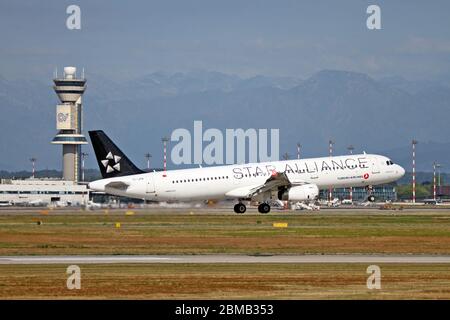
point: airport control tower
(69, 121)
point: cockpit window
(389, 162)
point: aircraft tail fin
(111, 160)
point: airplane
(289, 180)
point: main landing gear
(240, 208)
(264, 208)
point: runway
(192, 259)
(227, 210)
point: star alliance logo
(115, 160)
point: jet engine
(299, 193)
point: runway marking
(191, 259)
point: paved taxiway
(296, 259)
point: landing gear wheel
(264, 208)
(371, 198)
(240, 208)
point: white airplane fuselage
(222, 182)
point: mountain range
(374, 115)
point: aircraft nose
(401, 171)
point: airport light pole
(414, 142)
(83, 158)
(298, 150)
(350, 149)
(165, 140)
(434, 180)
(330, 150)
(33, 168)
(148, 156)
(438, 166)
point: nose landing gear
(370, 197)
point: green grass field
(184, 232)
(159, 233)
(226, 281)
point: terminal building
(41, 192)
(443, 192)
(381, 193)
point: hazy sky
(286, 38)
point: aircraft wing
(275, 181)
(117, 185)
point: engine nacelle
(300, 193)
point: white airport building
(41, 192)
